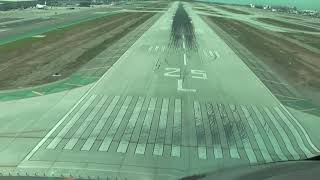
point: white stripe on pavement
(115, 125)
(144, 134)
(294, 132)
(99, 126)
(270, 134)
(76, 136)
(123, 145)
(68, 126)
(283, 135)
(257, 135)
(158, 148)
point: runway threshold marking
(99, 126)
(261, 144)
(283, 134)
(77, 135)
(115, 125)
(156, 48)
(177, 129)
(270, 134)
(125, 139)
(43, 140)
(53, 144)
(205, 53)
(294, 132)
(160, 139)
(146, 126)
(200, 132)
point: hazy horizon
(300, 4)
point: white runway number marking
(172, 72)
(196, 74)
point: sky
(300, 4)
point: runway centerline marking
(185, 59)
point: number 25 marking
(175, 72)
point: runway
(178, 102)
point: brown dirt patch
(210, 11)
(290, 18)
(287, 24)
(310, 39)
(294, 63)
(33, 61)
(232, 10)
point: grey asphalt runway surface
(178, 102)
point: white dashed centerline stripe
(183, 42)
(123, 145)
(68, 126)
(185, 59)
(270, 134)
(263, 149)
(294, 132)
(99, 126)
(115, 125)
(73, 141)
(283, 135)
(144, 134)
